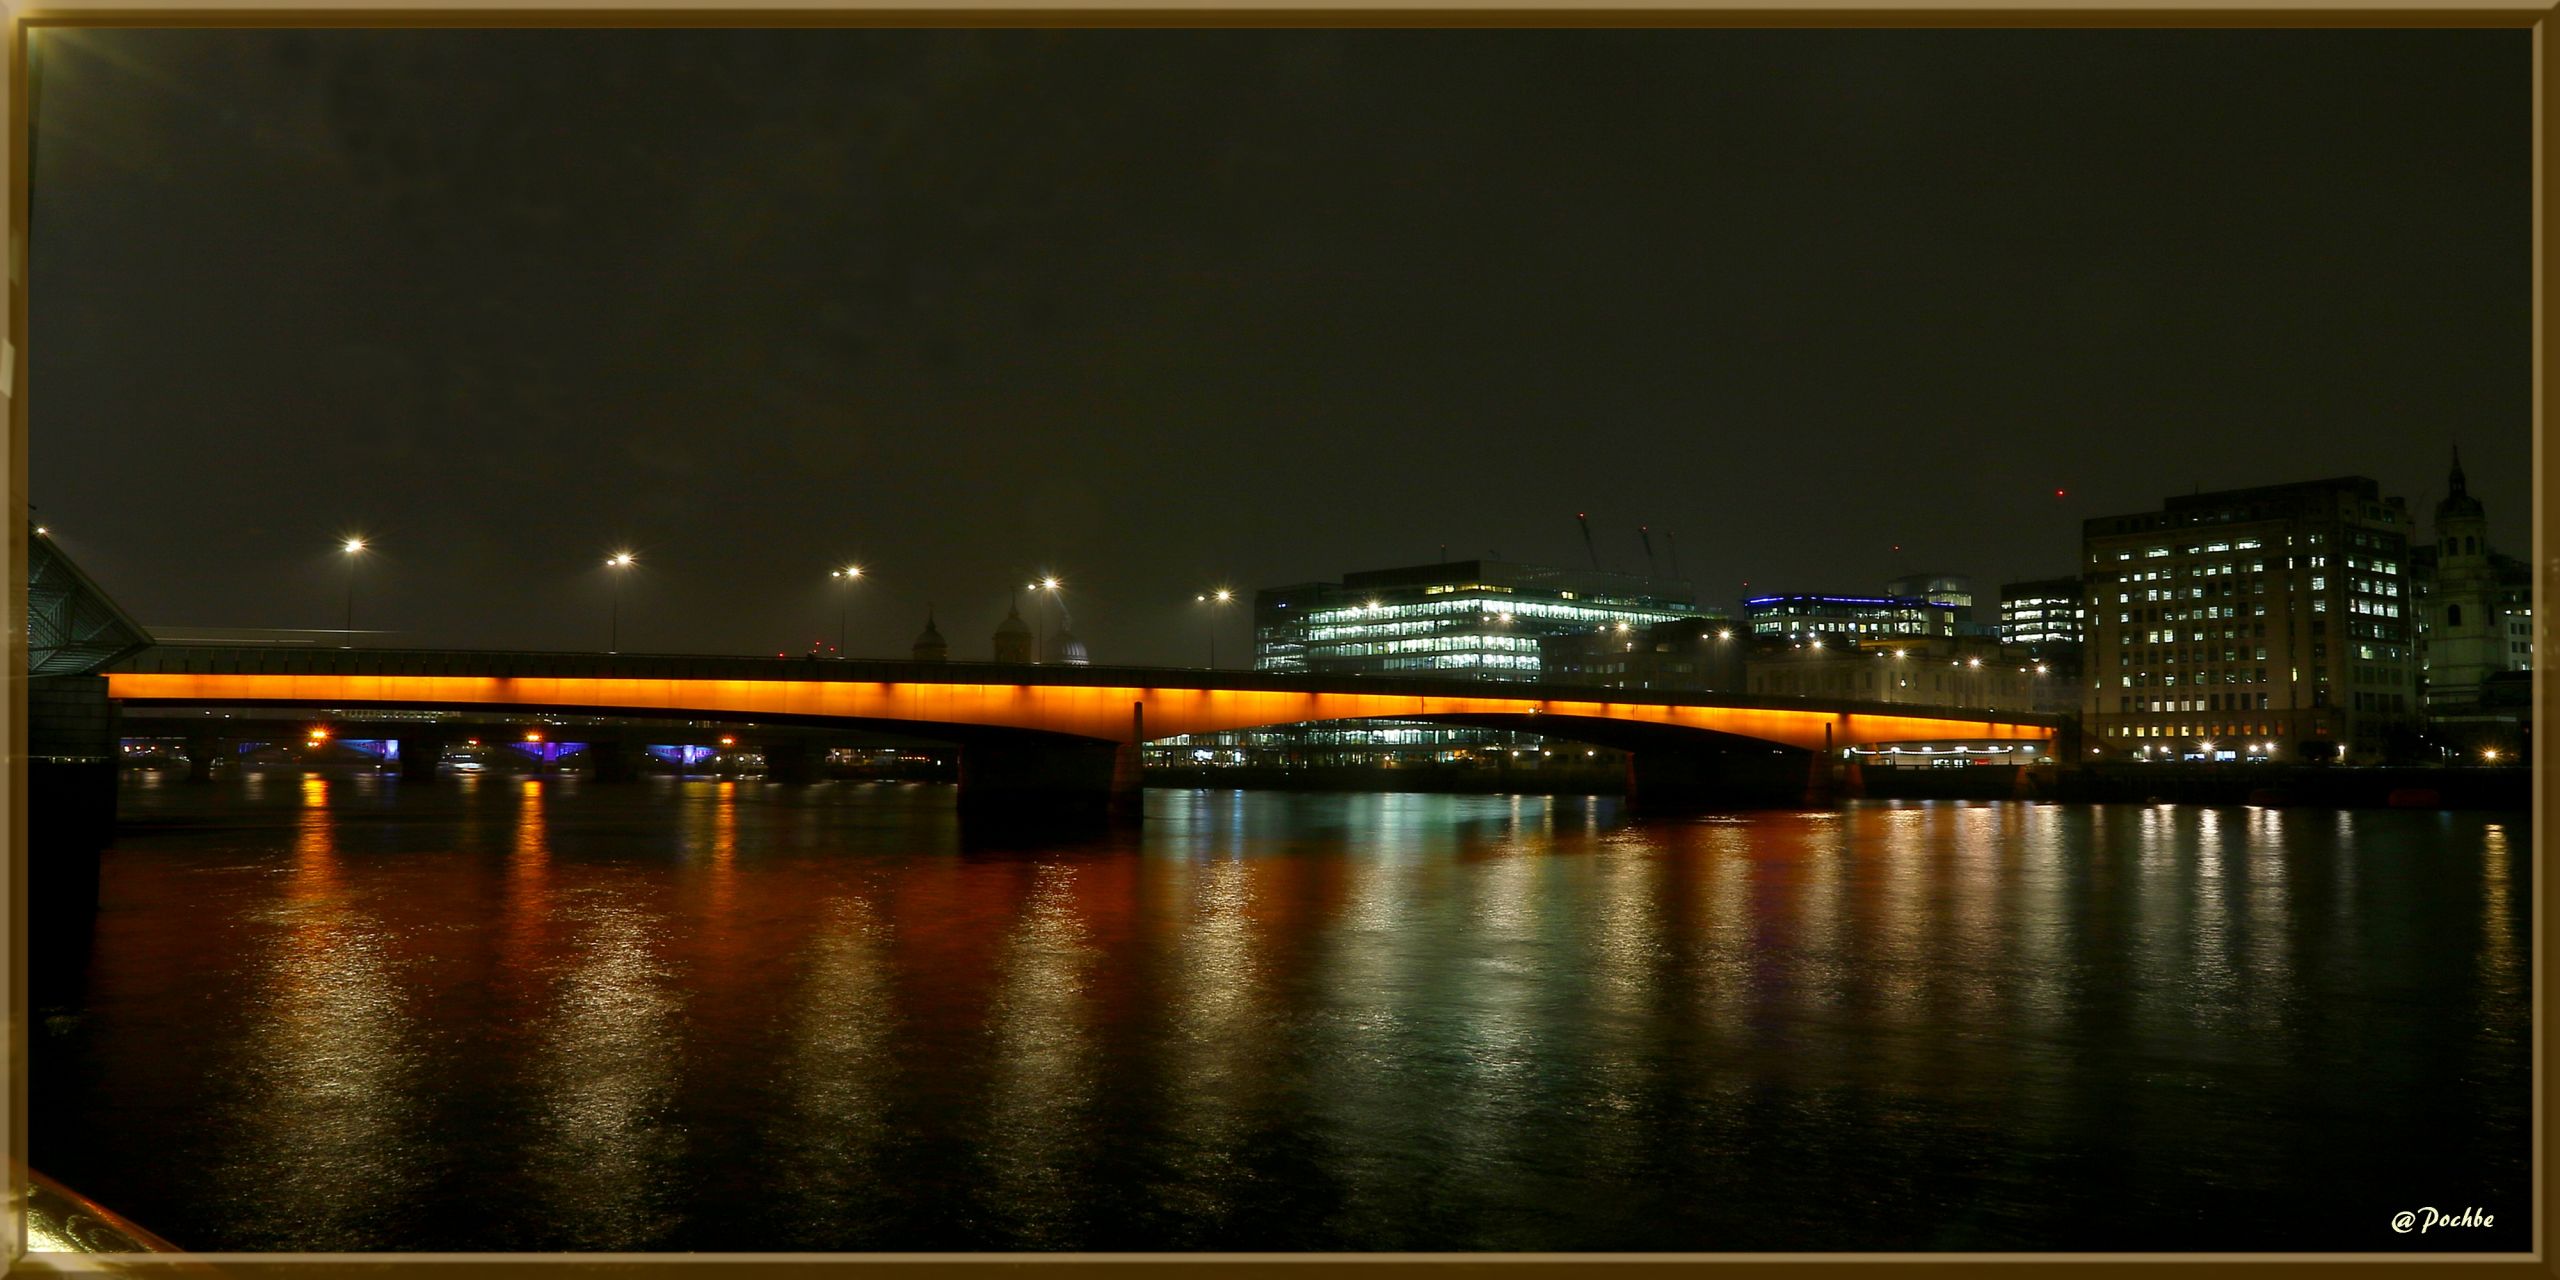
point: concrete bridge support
(1066, 780)
(73, 758)
(613, 758)
(1032, 784)
(792, 760)
(203, 749)
(419, 755)
(1661, 781)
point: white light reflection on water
(2497, 944)
(326, 1107)
(1626, 957)
(1046, 1067)
(1217, 1040)
(838, 1065)
(602, 1047)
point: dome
(1066, 650)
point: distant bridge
(1053, 733)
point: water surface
(527, 1014)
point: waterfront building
(1952, 589)
(2277, 614)
(1464, 619)
(1974, 673)
(1796, 617)
(2041, 615)
(1702, 654)
(1457, 620)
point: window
(2453, 615)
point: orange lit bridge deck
(1001, 711)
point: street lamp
(1039, 635)
(619, 560)
(353, 547)
(844, 606)
(1219, 598)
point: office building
(1704, 655)
(1458, 620)
(1466, 619)
(2236, 619)
(1795, 617)
(1973, 673)
(2041, 614)
(1951, 589)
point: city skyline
(1229, 310)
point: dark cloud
(1162, 309)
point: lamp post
(618, 561)
(353, 547)
(1040, 634)
(1219, 599)
(844, 605)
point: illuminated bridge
(1054, 735)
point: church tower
(930, 646)
(2466, 629)
(1013, 637)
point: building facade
(2280, 614)
(1465, 620)
(1952, 589)
(2476, 606)
(2044, 613)
(1973, 673)
(1458, 620)
(1794, 617)
(1698, 654)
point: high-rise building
(2042, 613)
(1465, 619)
(1702, 654)
(1953, 589)
(1458, 620)
(2227, 621)
(1972, 672)
(1857, 617)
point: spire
(2458, 504)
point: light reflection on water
(535, 1014)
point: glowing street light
(1040, 636)
(1218, 600)
(844, 606)
(353, 547)
(620, 562)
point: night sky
(1162, 311)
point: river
(495, 1013)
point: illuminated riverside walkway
(1060, 734)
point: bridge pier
(73, 758)
(1662, 781)
(419, 756)
(612, 759)
(202, 750)
(792, 760)
(1050, 781)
